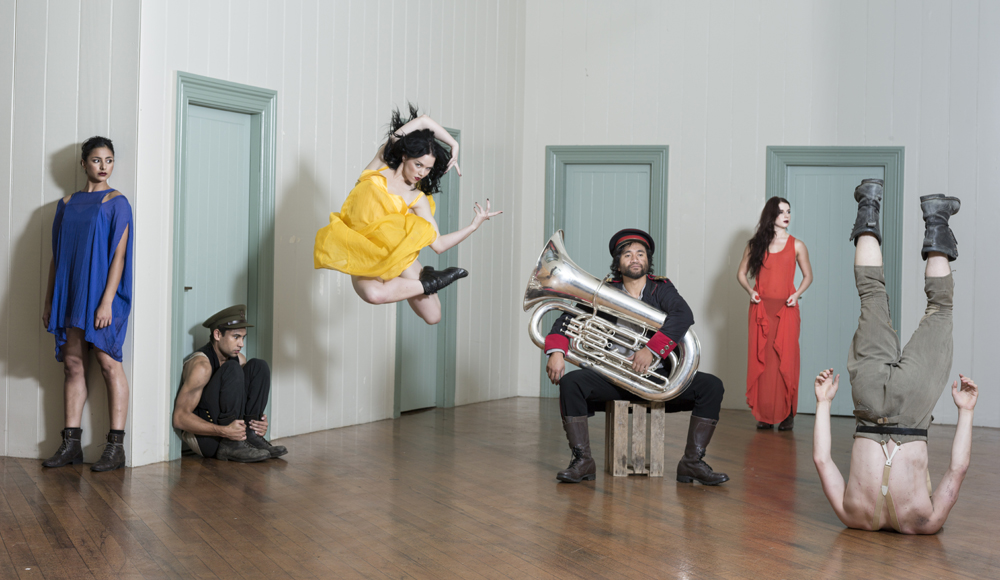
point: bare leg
(428, 308)
(379, 291)
(114, 378)
(937, 265)
(868, 252)
(75, 382)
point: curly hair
(415, 144)
(764, 235)
(94, 143)
(616, 258)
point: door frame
(557, 157)
(448, 327)
(891, 160)
(261, 105)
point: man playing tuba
(584, 391)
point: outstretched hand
(826, 386)
(966, 396)
(483, 215)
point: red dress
(773, 347)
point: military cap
(228, 319)
(631, 235)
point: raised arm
(741, 276)
(417, 124)
(802, 258)
(196, 375)
(829, 475)
(946, 494)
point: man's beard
(643, 270)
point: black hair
(95, 142)
(764, 235)
(222, 332)
(415, 144)
(616, 258)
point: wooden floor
(470, 493)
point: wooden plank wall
(70, 70)
(339, 68)
(720, 81)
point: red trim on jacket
(660, 344)
(556, 342)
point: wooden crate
(619, 459)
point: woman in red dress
(773, 353)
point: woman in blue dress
(88, 300)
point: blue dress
(85, 235)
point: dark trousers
(233, 393)
(583, 392)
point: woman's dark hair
(415, 144)
(764, 235)
(616, 258)
(95, 143)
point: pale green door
(600, 199)
(823, 213)
(425, 354)
(216, 213)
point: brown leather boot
(582, 466)
(114, 454)
(691, 467)
(69, 452)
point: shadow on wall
(301, 319)
(728, 318)
(31, 349)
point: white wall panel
(71, 72)
(339, 68)
(823, 72)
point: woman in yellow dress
(389, 217)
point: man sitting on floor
(220, 406)
(895, 391)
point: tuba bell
(557, 283)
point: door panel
(823, 212)
(216, 216)
(600, 200)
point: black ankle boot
(938, 236)
(114, 454)
(691, 467)
(581, 466)
(869, 198)
(434, 280)
(70, 451)
(258, 442)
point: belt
(882, 430)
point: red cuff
(556, 342)
(660, 344)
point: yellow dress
(374, 235)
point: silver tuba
(557, 283)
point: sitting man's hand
(641, 360)
(965, 397)
(555, 367)
(259, 427)
(826, 386)
(236, 431)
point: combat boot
(258, 442)
(581, 466)
(938, 236)
(240, 451)
(869, 198)
(70, 451)
(114, 454)
(691, 467)
(434, 280)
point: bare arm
(946, 494)
(422, 122)
(445, 242)
(829, 475)
(802, 258)
(741, 275)
(196, 374)
(102, 317)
